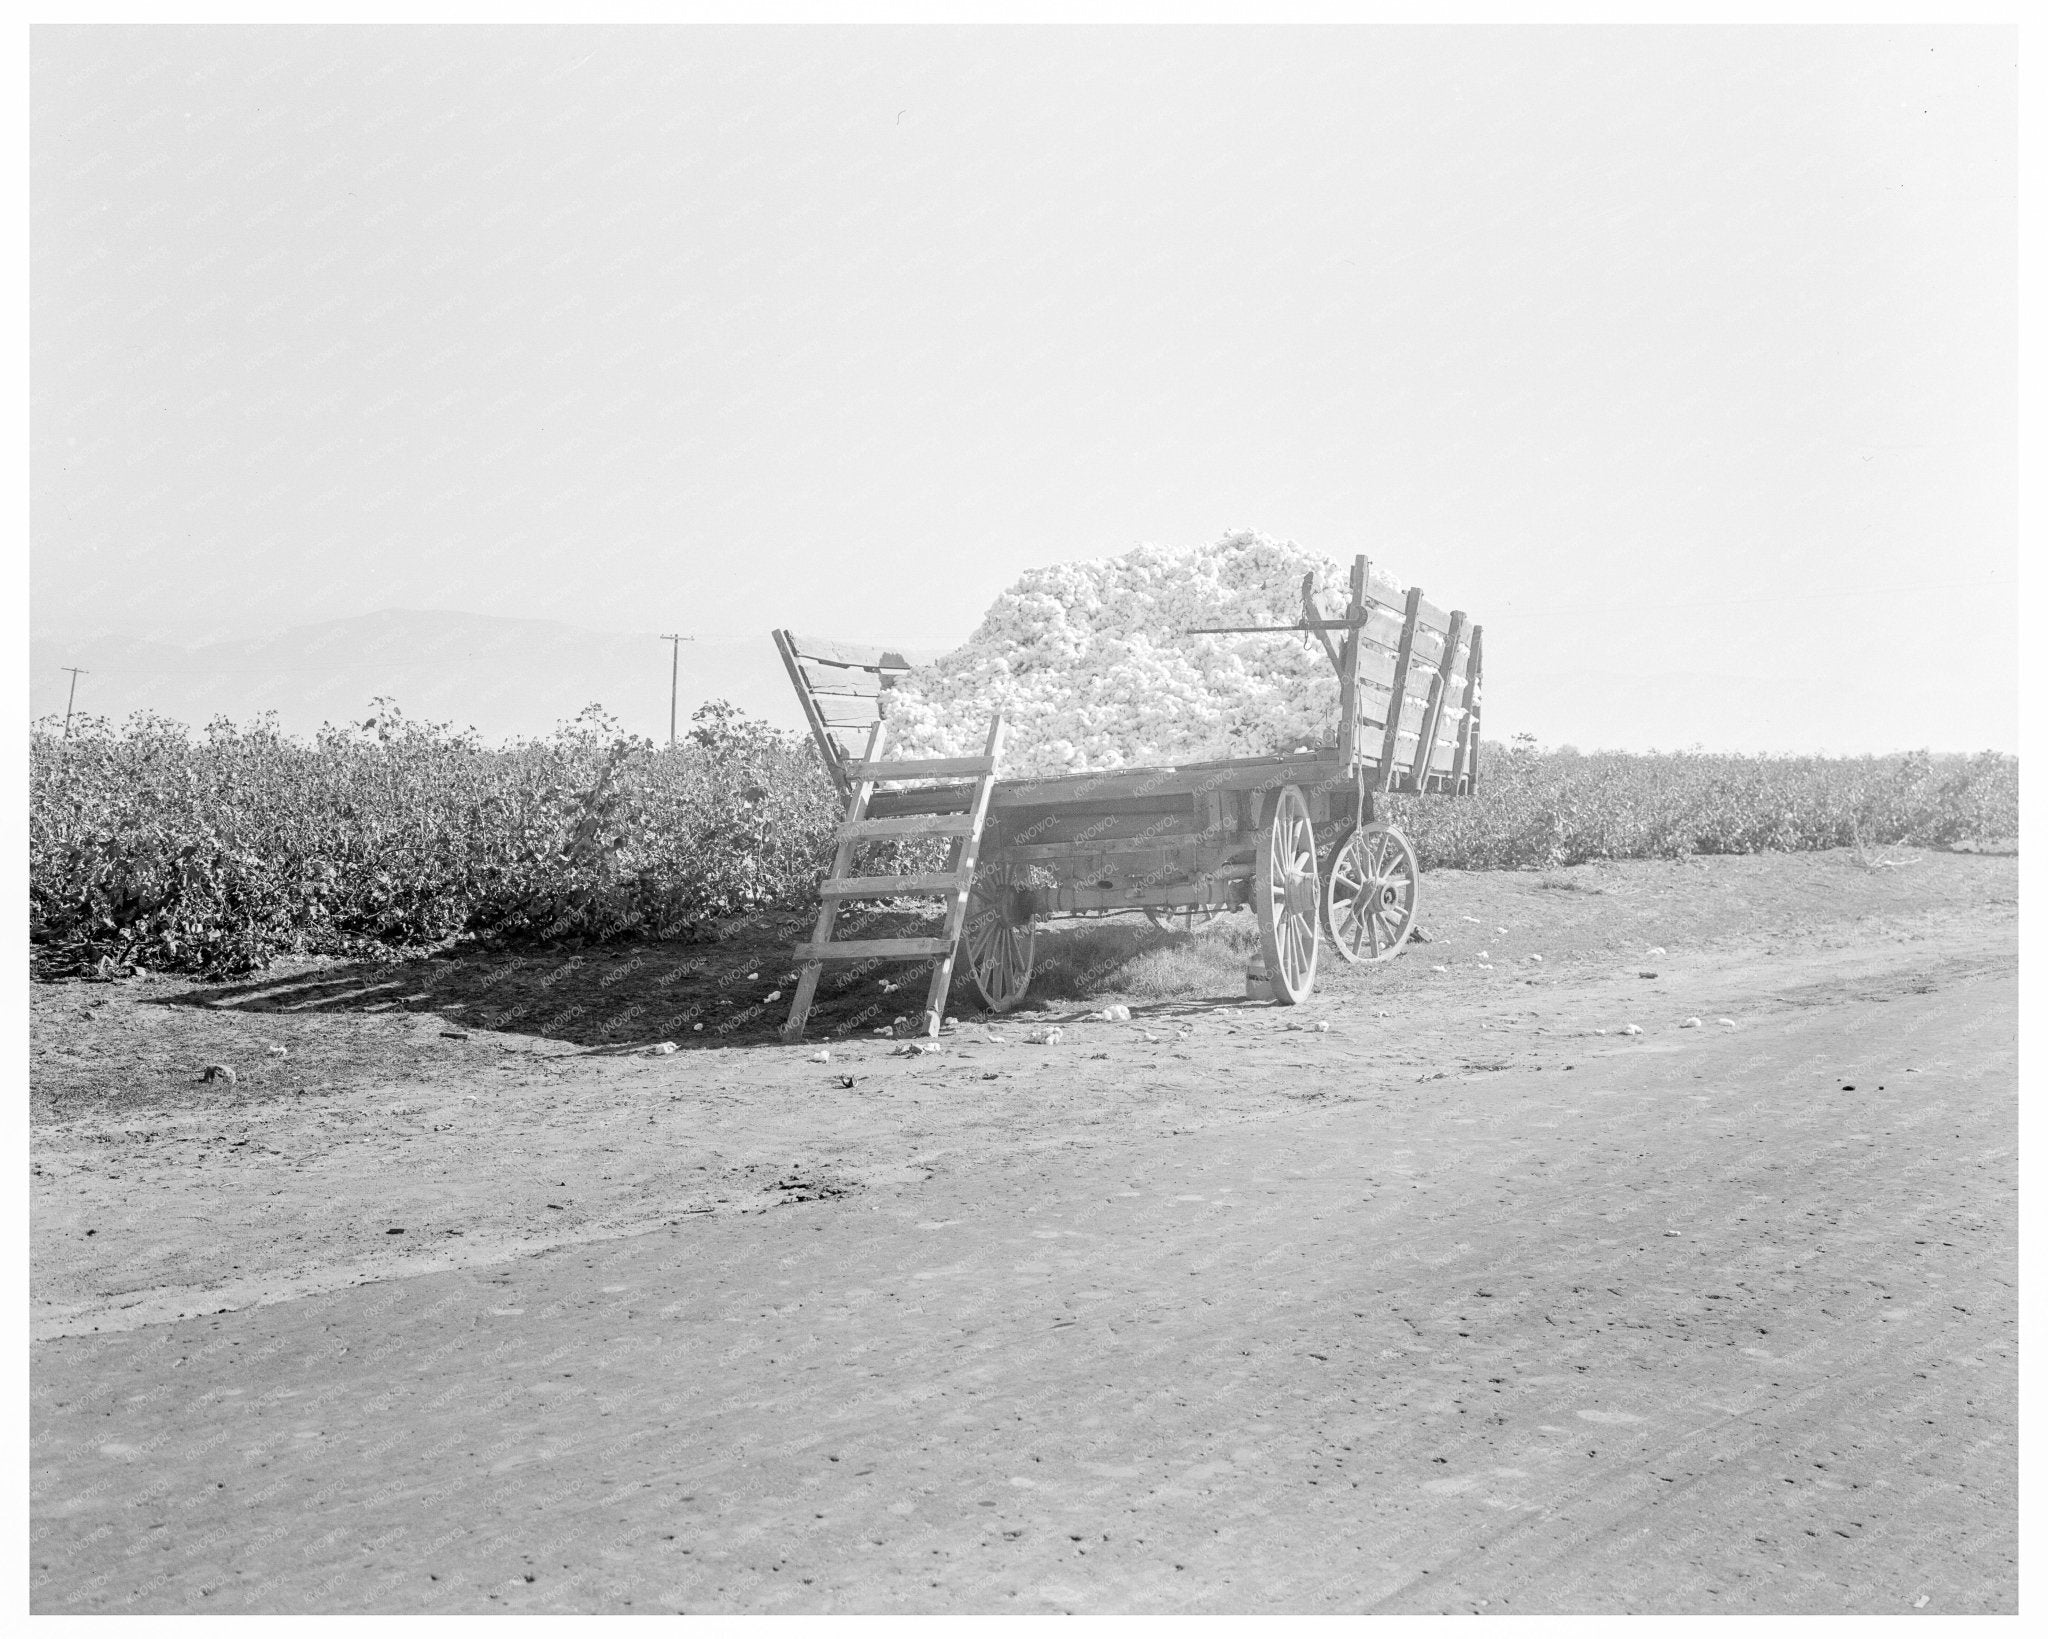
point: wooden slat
(1376, 666)
(1465, 768)
(922, 768)
(1439, 695)
(1129, 854)
(1389, 744)
(1381, 587)
(839, 679)
(1100, 830)
(963, 858)
(830, 750)
(890, 887)
(835, 710)
(922, 799)
(856, 950)
(835, 653)
(1426, 652)
(1230, 773)
(858, 792)
(907, 825)
(1382, 630)
(1347, 667)
(1431, 618)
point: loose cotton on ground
(1094, 667)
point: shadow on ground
(733, 993)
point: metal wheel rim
(1287, 897)
(1370, 898)
(999, 951)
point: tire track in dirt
(1425, 1349)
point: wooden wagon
(1294, 837)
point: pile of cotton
(1094, 667)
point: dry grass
(1127, 956)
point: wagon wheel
(1284, 895)
(999, 935)
(1181, 918)
(1369, 901)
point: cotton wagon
(1294, 837)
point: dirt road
(1466, 1306)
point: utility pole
(72, 698)
(675, 642)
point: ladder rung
(854, 950)
(889, 887)
(908, 825)
(926, 768)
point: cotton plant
(1095, 666)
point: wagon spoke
(981, 934)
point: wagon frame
(1294, 837)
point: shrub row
(214, 852)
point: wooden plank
(923, 799)
(963, 860)
(1383, 623)
(1375, 666)
(891, 887)
(1382, 588)
(829, 749)
(1448, 739)
(1431, 618)
(1439, 691)
(1129, 853)
(1185, 779)
(839, 679)
(905, 825)
(861, 950)
(1347, 668)
(1426, 653)
(1110, 817)
(835, 653)
(1388, 743)
(1095, 832)
(828, 909)
(1465, 770)
(922, 768)
(848, 711)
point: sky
(1669, 354)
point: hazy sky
(1658, 350)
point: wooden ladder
(952, 883)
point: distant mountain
(501, 677)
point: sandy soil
(1459, 1304)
